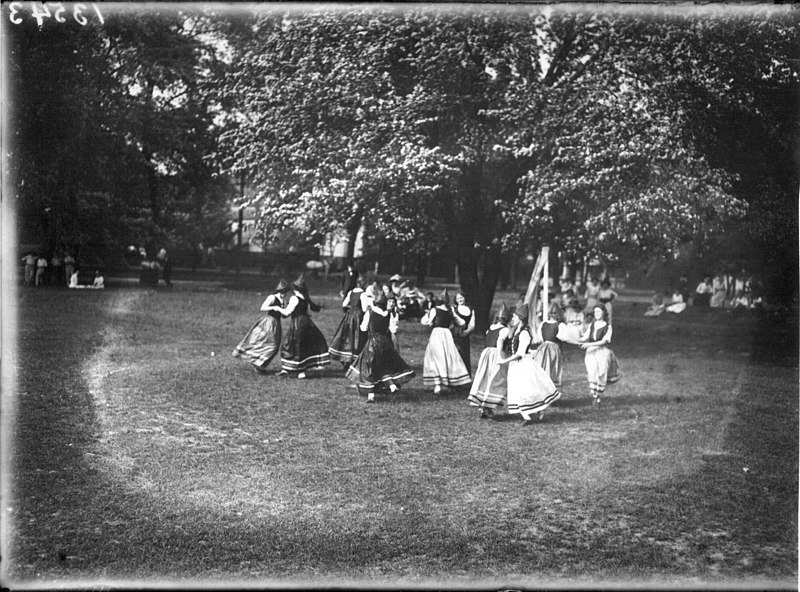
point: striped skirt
(442, 365)
(304, 346)
(379, 365)
(530, 389)
(490, 386)
(261, 343)
(548, 356)
(602, 367)
(348, 340)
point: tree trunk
(421, 263)
(352, 234)
(479, 273)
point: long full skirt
(442, 365)
(549, 357)
(530, 389)
(379, 365)
(602, 367)
(490, 386)
(261, 343)
(348, 341)
(462, 345)
(304, 346)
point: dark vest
(378, 324)
(443, 318)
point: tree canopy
(112, 127)
(492, 129)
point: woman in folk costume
(349, 339)
(378, 366)
(393, 309)
(530, 388)
(601, 363)
(304, 346)
(490, 387)
(442, 365)
(263, 341)
(462, 332)
(548, 354)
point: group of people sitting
(98, 283)
(737, 294)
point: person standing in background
(165, 264)
(30, 268)
(590, 295)
(349, 279)
(56, 268)
(41, 268)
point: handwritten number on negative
(14, 7)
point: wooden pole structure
(532, 293)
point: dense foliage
(467, 133)
(492, 130)
(111, 130)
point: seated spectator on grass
(657, 307)
(99, 281)
(678, 304)
(741, 301)
(73, 280)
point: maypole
(541, 269)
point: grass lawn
(142, 451)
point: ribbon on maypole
(532, 294)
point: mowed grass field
(139, 450)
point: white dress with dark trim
(490, 386)
(530, 389)
(602, 366)
(442, 365)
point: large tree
(111, 128)
(482, 130)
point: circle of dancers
(519, 369)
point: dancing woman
(602, 366)
(548, 354)
(442, 365)
(304, 346)
(263, 341)
(349, 339)
(462, 332)
(530, 389)
(378, 366)
(490, 386)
